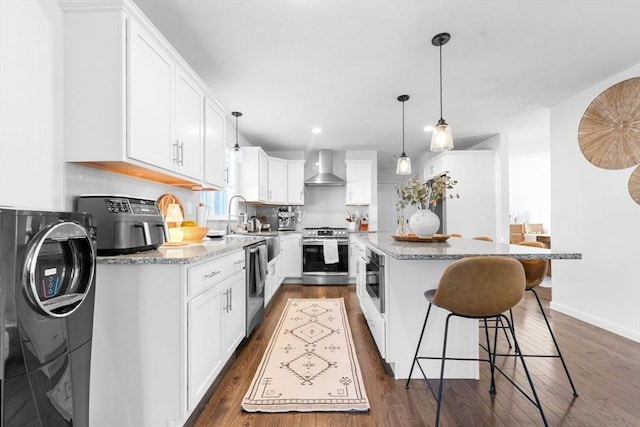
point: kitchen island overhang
(411, 269)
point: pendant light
(404, 162)
(237, 153)
(441, 138)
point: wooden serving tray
(414, 238)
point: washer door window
(59, 269)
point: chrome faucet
(229, 230)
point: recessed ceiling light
(429, 128)
(316, 130)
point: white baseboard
(596, 321)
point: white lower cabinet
(176, 327)
(270, 282)
(293, 252)
(281, 261)
(233, 314)
(360, 262)
(215, 320)
(204, 353)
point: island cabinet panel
(407, 280)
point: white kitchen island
(412, 268)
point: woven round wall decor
(634, 185)
(609, 132)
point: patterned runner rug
(310, 363)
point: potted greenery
(426, 197)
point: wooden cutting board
(168, 199)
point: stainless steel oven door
(314, 268)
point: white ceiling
(290, 65)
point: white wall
(530, 169)
(594, 214)
(31, 165)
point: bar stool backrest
(481, 286)
(535, 270)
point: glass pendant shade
(441, 138)
(237, 153)
(404, 165)
(404, 162)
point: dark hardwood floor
(605, 369)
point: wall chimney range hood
(325, 176)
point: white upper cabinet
(150, 71)
(214, 152)
(253, 175)
(132, 105)
(189, 126)
(295, 182)
(359, 182)
(277, 181)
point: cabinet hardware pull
(175, 153)
(182, 154)
(226, 301)
(213, 273)
(240, 261)
(230, 299)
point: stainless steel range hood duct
(325, 176)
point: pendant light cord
(403, 153)
(237, 119)
(440, 43)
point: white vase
(424, 223)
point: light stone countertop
(188, 254)
(455, 248)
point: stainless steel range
(325, 256)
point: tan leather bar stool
(477, 288)
(535, 272)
